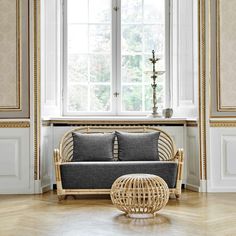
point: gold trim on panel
(222, 116)
(220, 123)
(18, 106)
(36, 89)
(14, 124)
(202, 87)
(220, 108)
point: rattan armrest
(179, 157)
(57, 157)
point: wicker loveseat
(74, 178)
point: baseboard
(37, 187)
(46, 188)
(194, 188)
(203, 186)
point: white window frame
(116, 63)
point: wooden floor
(194, 214)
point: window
(107, 46)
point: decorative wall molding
(222, 123)
(10, 50)
(202, 87)
(14, 124)
(225, 48)
(37, 89)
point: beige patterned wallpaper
(9, 86)
(226, 11)
(14, 59)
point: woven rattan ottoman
(139, 195)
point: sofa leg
(177, 195)
(61, 197)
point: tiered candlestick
(154, 76)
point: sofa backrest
(166, 146)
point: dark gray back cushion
(138, 146)
(93, 147)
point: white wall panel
(50, 57)
(192, 157)
(184, 61)
(46, 158)
(9, 163)
(222, 160)
(15, 162)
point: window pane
(131, 11)
(77, 97)
(77, 68)
(77, 39)
(89, 54)
(78, 11)
(154, 38)
(100, 70)
(131, 38)
(100, 98)
(132, 98)
(142, 30)
(99, 11)
(148, 98)
(154, 11)
(131, 68)
(100, 38)
(89, 60)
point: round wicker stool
(139, 195)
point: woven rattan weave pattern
(139, 195)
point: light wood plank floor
(194, 214)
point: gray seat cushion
(138, 146)
(93, 147)
(101, 175)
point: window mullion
(65, 57)
(114, 59)
(168, 79)
(143, 90)
(118, 57)
(89, 56)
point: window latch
(116, 94)
(116, 8)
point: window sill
(99, 120)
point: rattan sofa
(168, 155)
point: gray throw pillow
(93, 147)
(138, 146)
